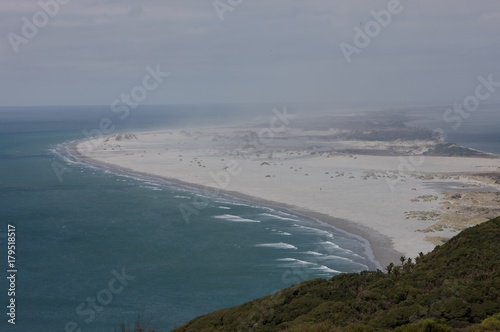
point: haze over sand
(401, 193)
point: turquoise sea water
(75, 236)
(95, 248)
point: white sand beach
(405, 203)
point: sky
(93, 52)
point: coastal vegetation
(456, 287)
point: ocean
(477, 130)
(95, 248)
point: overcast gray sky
(92, 51)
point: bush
(425, 325)
(491, 323)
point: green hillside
(455, 287)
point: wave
(279, 245)
(230, 217)
(315, 266)
(280, 232)
(224, 207)
(314, 253)
(315, 230)
(62, 151)
(181, 196)
(295, 260)
(286, 260)
(278, 217)
(237, 204)
(326, 269)
(331, 244)
(337, 257)
(152, 187)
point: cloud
(262, 51)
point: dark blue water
(96, 248)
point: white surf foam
(337, 257)
(279, 245)
(230, 217)
(313, 266)
(331, 244)
(314, 253)
(151, 187)
(326, 269)
(278, 232)
(278, 217)
(181, 196)
(296, 261)
(315, 230)
(236, 204)
(286, 260)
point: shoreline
(378, 247)
(398, 205)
